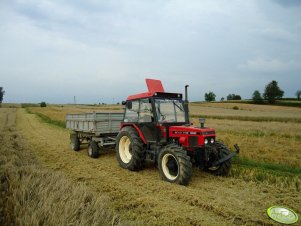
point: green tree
(298, 94)
(230, 96)
(2, 92)
(210, 96)
(257, 98)
(237, 97)
(233, 97)
(43, 104)
(272, 92)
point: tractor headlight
(211, 140)
(206, 141)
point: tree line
(210, 96)
(271, 93)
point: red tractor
(156, 126)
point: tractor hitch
(231, 155)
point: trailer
(98, 129)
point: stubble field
(268, 171)
(264, 133)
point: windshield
(170, 110)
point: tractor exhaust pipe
(186, 108)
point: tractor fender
(136, 128)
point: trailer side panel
(97, 122)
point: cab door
(146, 121)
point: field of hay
(252, 110)
(58, 112)
(33, 194)
(267, 173)
(266, 141)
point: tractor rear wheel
(175, 165)
(220, 152)
(74, 142)
(93, 149)
(130, 151)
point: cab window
(131, 111)
(146, 111)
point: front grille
(193, 141)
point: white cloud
(270, 65)
(280, 34)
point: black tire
(224, 168)
(74, 142)
(130, 152)
(93, 149)
(174, 164)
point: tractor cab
(155, 110)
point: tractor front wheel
(130, 151)
(220, 151)
(175, 165)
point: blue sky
(101, 51)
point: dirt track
(143, 196)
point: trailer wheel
(175, 165)
(130, 152)
(74, 142)
(224, 168)
(93, 149)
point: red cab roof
(153, 86)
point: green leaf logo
(282, 214)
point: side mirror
(123, 102)
(129, 105)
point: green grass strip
(51, 121)
(259, 133)
(249, 118)
(278, 169)
(47, 119)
